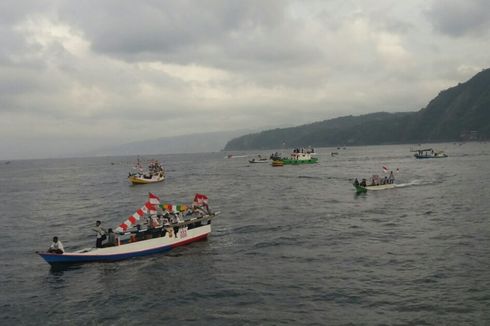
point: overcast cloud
(77, 75)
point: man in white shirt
(56, 247)
(101, 234)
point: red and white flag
(154, 202)
(133, 219)
(200, 200)
(385, 169)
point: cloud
(96, 72)
(458, 18)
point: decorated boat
(155, 173)
(168, 227)
(375, 183)
(428, 153)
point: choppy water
(293, 245)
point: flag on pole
(154, 202)
(200, 200)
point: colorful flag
(385, 169)
(174, 208)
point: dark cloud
(457, 18)
(217, 33)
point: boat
(428, 153)
(277, 163)
(259, 159)
(133, 241)
(376, 183)
(360, 188)
(155, 173)
(299, 158)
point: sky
(81, 75)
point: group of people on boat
(308, 150)
(154, 169)
(275, 156)
(376, 181)
(154, 226)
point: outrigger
(179, 225)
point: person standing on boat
(56, 247)
(391, 178)
(101, 234)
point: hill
(460, 112)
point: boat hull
(277, 163)
(297, 162)
(361, 189)
(139, 181)
(126, 251)
(421, 157)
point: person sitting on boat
(56, 247)
(175, 219)
(101, 234)
(154, 223)
(363, 183)
(356, 182)
(111, 239)
(140, 234)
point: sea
(293, 245)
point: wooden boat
(260, 160)
(277, 163)
(141, 178)
(155, 173)
(140, 242)
(360, 188)
(428, 153)
(376, 183)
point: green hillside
(459, 112)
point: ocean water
(293, 245)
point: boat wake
(416, 182)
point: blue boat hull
(75, 258)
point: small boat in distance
(277, 163)
(177, 225)
(155, 173)
(428, 153)
(259, 159)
